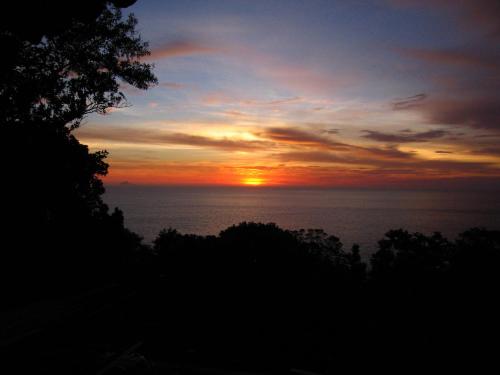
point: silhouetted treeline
(255, 290)
(274, 299)
(262, 299)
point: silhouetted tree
(53, 78)
(259, 294)
(77, 71)
(435, 299)
(412, 259)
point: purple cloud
(404, 137)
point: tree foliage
(266, 296)
(66, 76)
(51, 80)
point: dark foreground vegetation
(258, 298)
(81, 294)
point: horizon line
(434, 185)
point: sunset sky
(319, 93)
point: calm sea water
(356, 216)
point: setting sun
(253, 181)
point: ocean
(355, 216)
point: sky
(311, 93)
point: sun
(252, 181)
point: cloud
(172, 85)
(297, 136)
(179, 48)
(274, 139)
(493, 150)
(404, 137)
(389, 152)
(223, 143)
(474, 111)
(289, 148)
(478, 15)
(312, 156)
(469, 74)
(158, 137)
(292, 100)
(458, 57)
(373, 156)
(270, 103)
(220, 98)
(407, 165)
(234, 113)
(487, 136)
(323, 157)
(351, 153)
(408, 102)
(331, 131)
(483, 113)
(297, 77)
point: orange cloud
(158, 137)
